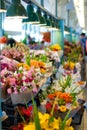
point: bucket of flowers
(42, 121)
(20, 84)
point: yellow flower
(63, 108)
(43, 118)
(19, 64)
(68, 122)
(55, 47)
(27, 67)
(30, 126)
(44, 125)
(69, 128)
(71, 64)
(44, 122)
(56, 124)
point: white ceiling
(62, 12)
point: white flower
(25, 72)
(20, 68)
(77, 90)
(24, 77)
(24, 83)
(15, 73)
(68, 90)
(58, 88)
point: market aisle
(84, 120)
(85, 97)
(83, 125)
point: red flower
(48, 106)
(27, 111)
(56, 107)
(18, 127)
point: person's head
(11, 42)
(82, 35)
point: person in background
(11, 42)
(42, 45)
(83, 41)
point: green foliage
(41, 57)
(28, 59)
(74, 55)
(36, 116)
(65, 83)
(63, 123)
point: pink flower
(3, 72)
(35, 89)
(12, 81)
(9, 90)
(15, 92)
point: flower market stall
(40, 87)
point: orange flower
(27, 67)
(34, 63)
(67, 97)
(81, 82)
(62, 108)
(3, 40)
(51, 96)
(38, 64)
(41, 64)
(57, 94)
(42, 70)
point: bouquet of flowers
(38, 120)
(63, 102)
(21, 80)
(13, 53)
(7, 63)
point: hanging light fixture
(57, 26)
(32, 16)
(16, 10)
(53, 22)
(48, 21)
(2, 6)
(41, 18)
(66, 31)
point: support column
(56, 8)
(68, 17)
(61, 23)
(70, 34)
(42, 2)
(1, 28)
